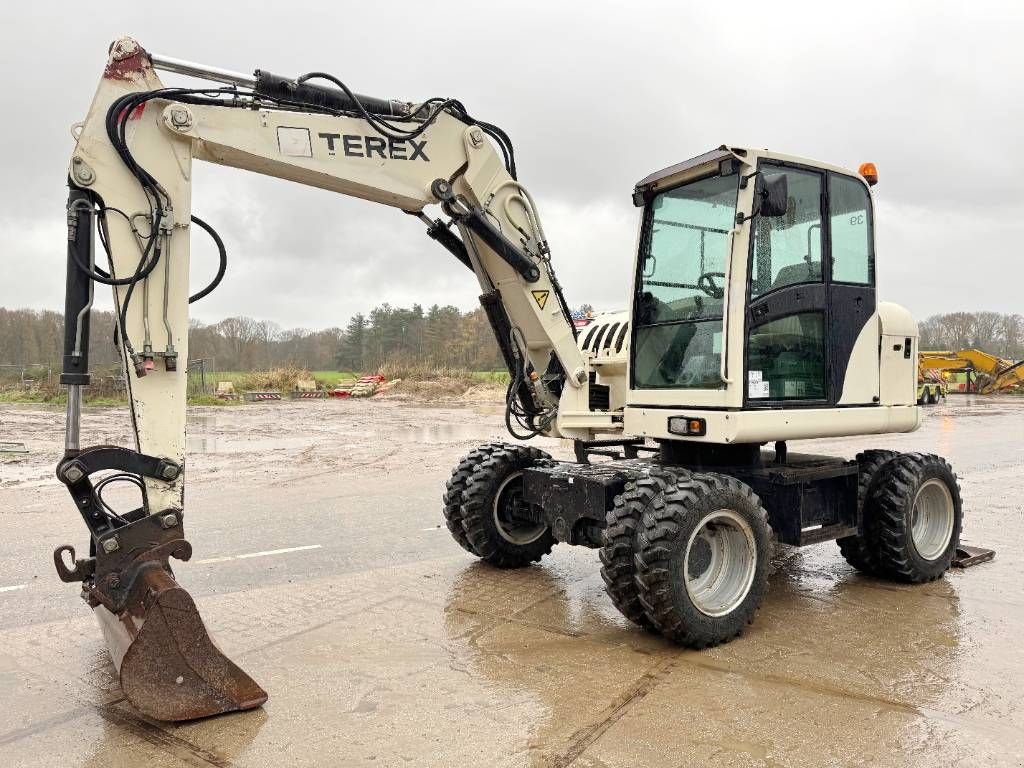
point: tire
(455, 488)
(858, 550)
(488, 498)
(918, 516)
(669, 536)
(618, 550)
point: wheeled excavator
(753, 320)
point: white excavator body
(753, 318)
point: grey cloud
(595, 95)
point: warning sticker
(541, 297)
(757, 389)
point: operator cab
(755, 294)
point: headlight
(687, 425)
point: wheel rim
(511, 513)
(720, 562)
(932, 522)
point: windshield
(685, 250)
(678, 314)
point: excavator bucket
(170, 668)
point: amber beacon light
(869, 172)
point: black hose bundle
(525, 414)
(122, 110)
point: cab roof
(699, 165)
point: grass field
(331, 379)
(281, 379)
(490, 377)
(56, 397)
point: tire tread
(859, 550)
(890, 503)
(501, 459)
(661, 527)
(618, 552)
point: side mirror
(771, 195)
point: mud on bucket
(170, 668)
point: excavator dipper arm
(131, 174)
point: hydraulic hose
(222, 251)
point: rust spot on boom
(128, 61)
(126, 69)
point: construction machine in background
(931, 387)
(754, 319)
(987, 374)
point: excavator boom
(130, 177)
(994, 374)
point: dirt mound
(276, 379)
(446, 389)
(491, 392)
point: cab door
(788, 331)
(812, 336)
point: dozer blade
(170, 668)
(966, 556)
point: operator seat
(806, 272)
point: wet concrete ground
(321, 568)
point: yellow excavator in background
(987, 374)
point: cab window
(850, 227)
(681, 287)
(786, 358)
(787, 249)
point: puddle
(427, 434)
(17, 472)
(212, 444)
(440, 433)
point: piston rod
(275, 86)
(202, 71)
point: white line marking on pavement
(284, 551)
(266, 553)
(12, 589)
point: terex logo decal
(353, 145)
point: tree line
(437, 337)
(995, 332)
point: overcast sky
(594, 95)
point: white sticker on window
(757, 389)
(294, 142)
(716, 343)
(753, 375)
